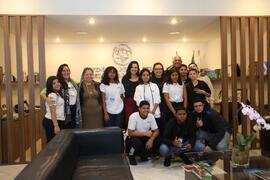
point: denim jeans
(115, 120)
(166, 150)
(202, 136)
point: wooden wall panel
(31, 85)
(255, 76)
(224, 64)
(42, 66)
(260, 65)
(252, 85)
(234, 78)
(7, 60)
(20, 85)
(268, 58)
(243, 77)
(1, 113)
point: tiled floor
(154, 169)
(151, 170)
(8, 172)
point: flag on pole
(193, 58)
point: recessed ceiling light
(101, 39)
(173, 21)
(92, 21)
(144, 39)
(174, 33)
(81, 32)
(184, 39)
(57, 40)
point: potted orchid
(240, 153)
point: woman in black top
(158, 77)
(196, 89)
(130, 81)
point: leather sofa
(81, 154)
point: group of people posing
(164, 111)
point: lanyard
(150, 91)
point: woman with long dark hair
(112, 92)
(174, 92)
(90, 99)
(54, 118)
(69, 92)
(130, 81)
(148, 91)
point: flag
(193, 58)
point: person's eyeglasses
(158, 69)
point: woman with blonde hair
(90, 99)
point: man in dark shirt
(212, 131)
(179, 136)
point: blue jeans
(115, 120)
(166, 150)
(202, 136)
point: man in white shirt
(142, 133)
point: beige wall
(78, 56)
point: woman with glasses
(158, 77)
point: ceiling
(131, 29)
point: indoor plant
(240, 153)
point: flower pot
(240, 157)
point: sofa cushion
(99, 141)
(102, 167)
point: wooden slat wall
(1, 113)
(31, 85)
(7, 59)
(252, 67)
(268, 58)
(243, 69)
(24, 137)
(20, 85)
(260, 64)
(42, 67)
(247, 26)
(224, 64)
(234, 77)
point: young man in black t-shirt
(179, 136)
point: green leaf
(251, 138)
(241, 141)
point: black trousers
(49, 128)
(138, 143)
(71, 124)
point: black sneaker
(167, 161)
(132, 160)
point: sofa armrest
(100, 141)
(56, 161)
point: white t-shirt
(59, 103)
(113, 92)
(142, 125)
(148, 92)
(175, 91)
(72, 94)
